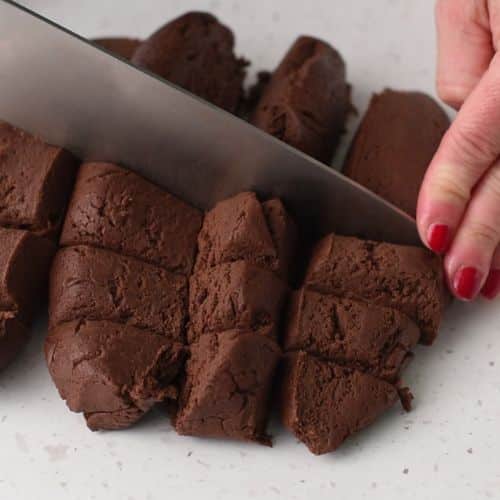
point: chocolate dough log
(371, 338)
(408, 279)
(35, 186)
(348, 335)
(119, 296)
(35, 182)
(123, 47)
(307, 100)
(195, 52)
(116, 209)
(13, 336)
(227, 388)
(324, 403)
(235, 295)
(112, 373)
(24, 265)
(394, 145)
(243, 228)
(96, 284)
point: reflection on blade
(58, 86)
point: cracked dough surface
(228, 380)
(116, 209)
(91, 283)
(111, 372)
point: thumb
(464, 47)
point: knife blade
(60, 87)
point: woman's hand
(458, 212)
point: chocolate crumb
(406, 397)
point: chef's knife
(64, 89)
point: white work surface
(448, 447)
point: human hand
(458, 211)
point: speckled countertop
(447, 447)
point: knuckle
(487, 108)
(454, 193)
(471, 143)
(447, 186)
(483, 233)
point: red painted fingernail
(439, 238)
(466, 283)
(492, 286)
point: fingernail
(466, 283)
(438, 238)
(492, 286)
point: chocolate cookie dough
(113, 373)
(324, 403)
(243, 228)
(123, 47)
(116, 209)
(35, 182)
(227, 389)
(195, 52)
(95, 284)
(394, 145)
(235, 295)
(285, 235)
(119, 296)
(307, 101)
(409, 279)
(13, 337)
(24, 265)
(370, 338)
